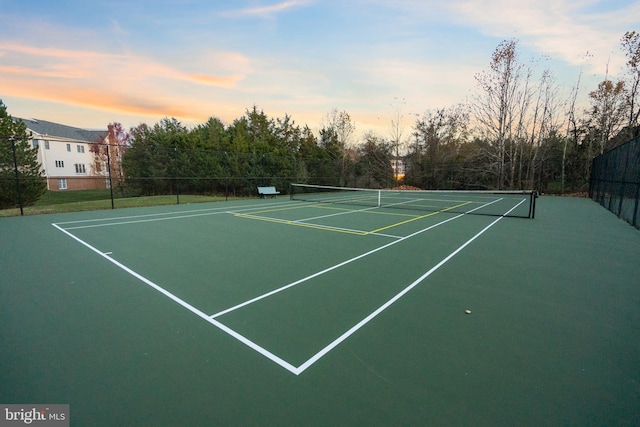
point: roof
(43, 127)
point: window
(62, 184)
(46, 144)
(34, 143)
(69, 147)
(59, 163)
(80, 148)
(80, 168)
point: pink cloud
(112, 82)
(268, 10)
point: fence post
(635, 209)
(624, 177)
(15, 165)
(110, 180)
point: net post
(379, 198)
(532, 204)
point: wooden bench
(267, 191)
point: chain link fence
(178, 175)
(615, 181)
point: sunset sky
(88, 63)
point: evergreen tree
(14, 135)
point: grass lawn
(63, 197)
(87, 200)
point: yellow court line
(301, 224)
(328, 207)
(339, 230)
(314, 205)
(324, 206)
(371, 211)
(279, 209)
(418, 217)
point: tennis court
(288, 312)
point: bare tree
(606, 116)
(397, 131)
(439, 137)
(630, 43)
(572, 127)
(335, 136)
(109, 151)
(495, 105)
(342, 125)
(524, 97)
(546, 121)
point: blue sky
(88, 63)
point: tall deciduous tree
(545, 122)
(342, 125)
(110, 151)
(607, 113)
(397, 131)
(374, 162)
(17, 157)
(631, 46)
(439, 136)
(335, 137)
(495, 105)
(572, 128)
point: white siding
(57, 155)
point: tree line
(254, 150)
(516, 131)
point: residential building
(66, 155)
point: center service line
(343, 263)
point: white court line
(320, 273)
(221, 208)
(342, 264)
(303, 223)
(333, 344)
(177, 215)
(399, 295)
(334, 214)
(188, 306)
(138, 221)
(142, 216)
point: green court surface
(277, 312)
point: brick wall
(74, 183)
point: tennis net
(520, 203)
